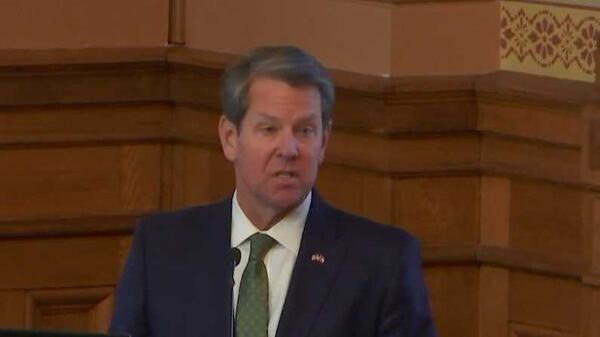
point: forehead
(273, 96)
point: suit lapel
(321, 253)
(210, 300)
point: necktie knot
(260, 245)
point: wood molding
(86, 309)
(68, 262)
(509, 258)
(453, 152)
(592, 280)
(199, 58)
(529, 88)
(523, 330)
(84, 83)
(67, 227)
(534, 90)
(77, 123)
(11, 58)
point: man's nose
(288, 146)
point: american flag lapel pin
(318, 258)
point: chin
(286, 200)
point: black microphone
(236, 256)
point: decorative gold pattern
(549, 40)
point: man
(306, 269)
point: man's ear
(324, 141)
(229, 138)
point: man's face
(278, 147)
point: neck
(264, 222)
(262, 218)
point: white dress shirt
(279, 261)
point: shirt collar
(287, 232)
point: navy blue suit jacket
(177, 279)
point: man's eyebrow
(310, 118)
(264, 115)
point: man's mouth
(286, 174)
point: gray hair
(289, 64)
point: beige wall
(346, 35)
(446, 38)
(43, 24)
(367, 37)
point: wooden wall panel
(439, 210)
(189, 84)
(359, 150)
(493, 302)
(454, 299)
(83, 123)
(359, 192)
(591, 312)
(201, 174)
(545, 301)
(61, 262)
(436, 152)
(12, 308)
(428, 152)
(86, 309)
(140, 178)
(191, 175)
(546, 123)
(556, 162)
(495, 211)
(59, 181)
(428, 111)
(222, 181)
(196, 124)
(593, 240)
(84, 84)
(546, 219)
(65, 181)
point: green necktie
(252, 314)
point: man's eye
(268, 129)
(308, 130)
